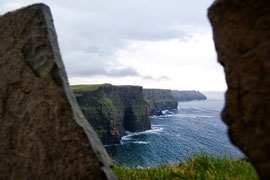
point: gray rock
(242, 39)
(43, 133)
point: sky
(164, 44)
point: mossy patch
(106, 105)
(100, 132)
(100, 114)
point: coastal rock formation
(242, 39)
(188, 95)
(43, 133)
(112, 110)
(159, 100)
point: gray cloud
(158, 79)
(88, 64)
(90, 32)
(127, 71)
(164, 78)
(148, 77)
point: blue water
(195, 126)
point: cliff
(188, 95)
(113, 109)
(159, 99)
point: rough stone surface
(113, 109)
(159, 100)
(242, 39)
(43, 134)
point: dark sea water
(195, 126)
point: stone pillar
(242, 39)
(43, 134)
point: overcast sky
(154, 43)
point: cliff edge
(159, 100)
(112, 110)
(188, 95)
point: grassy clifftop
(111, 110)
(198, 166)
(88, 87)
(92, 87)
(188, 95)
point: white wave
(130, 137)
(140, 142)
(158, 125)
(188, 115)
(165, 111)
(197, 116)
(127, 140)
(153, 130)
(205, 116)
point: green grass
(197, 166)
(88, 87)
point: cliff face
(113, 109)
(43, 133)
(159, 99)
(188, 95)
(242, 39)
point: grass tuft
(196, 166)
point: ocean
(195, 126)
